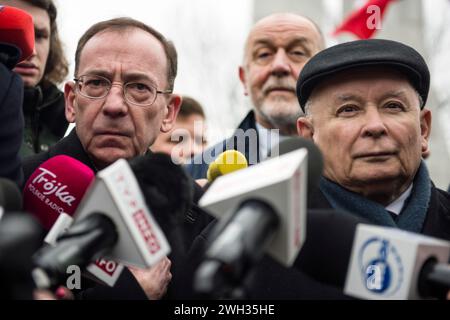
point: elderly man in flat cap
(365, 108)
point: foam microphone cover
(10, 197)
(315, 159)
(168, 192)
(167, 188)
(17, 31)
(227, 162)
(56, 186)
(20, 237)
(326, 253)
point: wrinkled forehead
(134, 48)
(280, 29)
(128, 33)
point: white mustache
(279, 84)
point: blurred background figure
(187, 138)
(12, 50)
(43, 103)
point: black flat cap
(362, 53)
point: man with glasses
(121, 97)
(120, 100)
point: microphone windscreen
(20, 237)
(19, 230)
(56, 186)
(326, 253)
(166, 187)
(226, 162)
(17, 29)
(315, 159)
(10, 197)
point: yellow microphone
(226, 162)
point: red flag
(366, 20)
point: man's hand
(62, 293)
(154, 280)
(39, 294)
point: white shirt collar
(267, 139)
(397, 206)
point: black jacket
(70, 146)
(127, 287)
(45, 120)
(437, 221)
(12, 124)
(269, 280)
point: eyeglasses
(98, 87)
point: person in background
(43, 102)
(11, 116)
(277, 48)
(187, 138)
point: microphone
(84, 240)
(20, 236)
(314, 167)
(328, 246)
(233, 249)
(54, 191)
(266, 200)
(388, 263)
(226, 162)
(52, 194)
(16, 35)
(168, 192)
(114, 221)
(10, 198)
(373, 262)
(166, 187)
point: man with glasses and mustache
(120, 100)
(276, 50)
